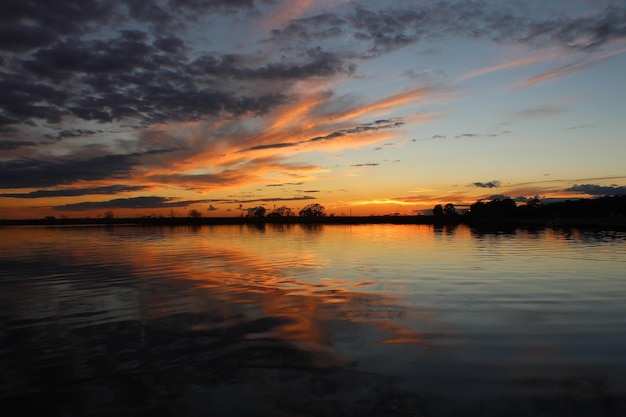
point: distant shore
(609, 223)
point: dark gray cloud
(77, 17)
(74, 192)
(597, 190)
(21, 37)
(73, 133)
(584, 32)
(316, 62)
(211, 5)
(470, 135)
(7, 145)
(135, 74)
(45, 19)
(498, 197)
(271, 146)
(284, 184)
(365, 165)
(363, 128)
(27, 173)
(382, 30)
(56, 70)
(262, 200)
(129, 203)
(23, 99)
(489, 184)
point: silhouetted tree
(534, 202)
(258, 211)
(495, 209)
(195, 214)
(532, 208)
(449, 210)
(282, 211)
(312, 210)
(438, 210)
(109, 215)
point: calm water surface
(312, 321)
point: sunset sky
(366, 107)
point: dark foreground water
(370, 320)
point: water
(312, 320)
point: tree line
(609, 206)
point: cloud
(48, 19)
(74, 133)
(129, 203)
(270, 146)
(365, 165)
(131, 92)
(507, 65)
(498, 197)
(282, 185)
(27, 173)
(490, 184)
(232, 174)
(74, 192)
(261, 200)
(597, 190)
(385, 29)
(581, 127)
(23, 37)
(315, 62)
(7, 145)
(212, 208)
(538, 111)
(566, 69)
(582, 33)
(360, 129)
(145, 74)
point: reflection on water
(315, 320)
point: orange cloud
(506, 65)
(293, 9)
(564, 70)
(248, 149)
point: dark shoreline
(606, 223)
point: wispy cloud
(489, 184)
(545, 110)
(129, 203)
(520, 62)
(597, 190)
(74, 192)
(565, 70)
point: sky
(365, 107)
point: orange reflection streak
(233, 277)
